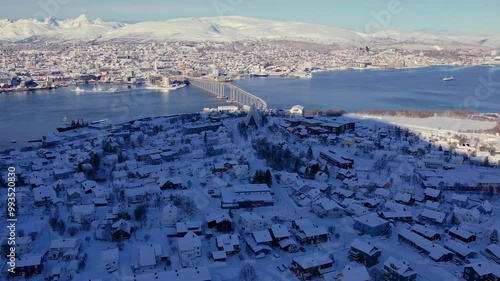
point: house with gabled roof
(364, 253)
(398, 270)
(189, 246)
(327, 208)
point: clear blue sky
(455, 16)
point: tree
(140, 213)
(72, 231)
(268, 178)
(248, 273)
(309, 153)
(53, 223)
(494, 237)
(61, 227)
(95, 161)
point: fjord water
(356, 90)
(27, 116)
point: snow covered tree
(248, 273)
(309, 153)
(268, 178)
(140, 213)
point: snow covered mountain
(222, 29)
(53, 30)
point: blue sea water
(27, 116)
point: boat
(260, 74)
(222, 97)
(78, 90)
(448, 78)
(97, 89)
(112, 90)
(74, 125)
(13, 141)
(171, 87)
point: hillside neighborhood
(256, 196)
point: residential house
(222, 222)
(189, 246)
(435, 251)
(432, 194)
(110, 258)
(462, 234)
(327, 208)
(246, 196)
(83, 213)
(250, 222)
(171, 183)
(182, 228)
(460, 200)
(148, 256)
(62, 247)
(433, 216)
(364, 253)
(121, 230)
(398, 270)
(308, 233)
(337, 160)
(404, 198)
(460, 250)
(309, 266)
(350, 273)
(371, 224)
(229, 243)
(481, 271)
(466, 215)
(26, 266)
(168, 216)
(426, 232)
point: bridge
(236, 95)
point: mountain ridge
(219, 29)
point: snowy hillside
(222, 29)
(75, 30)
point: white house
(189, 246)
(250, 222)
(325, 207)
(467, 215)
(169, 216)
(110, 258)
(82, 213)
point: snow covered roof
(484, 268)
(311, 261)
(461, 232)
(191, 274)
(350, 273)
(371, 220)
(110, 254)
(424, 230)
(459, 197)
(69, 243)
(279, 231)
(458, 248)
(402, 267)
(432, 192)
(84, 209)
(364, 247)
(262, 236)
(188, 242)
(146, 256)
(434, 215)
(327, 204)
